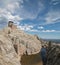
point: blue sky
(40, 17)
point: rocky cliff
(53, 52)
(14, 43)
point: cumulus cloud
(25, 27)
(40, 27)
(29, 28)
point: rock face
(14, 43)
(7, 52)
(53, 53)
(53, 56)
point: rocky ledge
(14, 43)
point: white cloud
(15, 11)
(12, 7)
(40, 27)
(7, 9)
(52, 17)
(48, 31)
(31, 10)
(6, 14)
(26, 27)
(55, 2)
(34, 30)
(29, 28)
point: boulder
(14, 43)
(8, 55)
